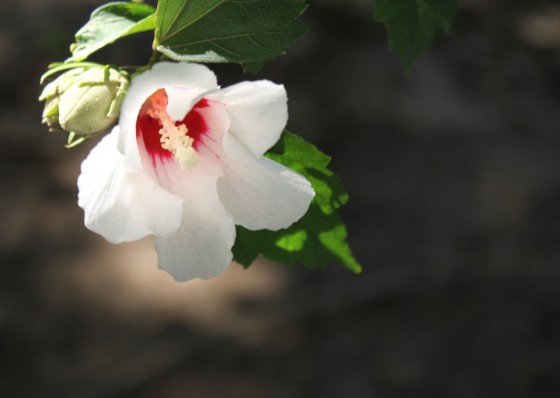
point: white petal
(218, 123)
(181, 99)
(260, 193)
(258, 112)
(120, 204)
(201, 248)
(166, 75)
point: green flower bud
(84, 101)
(51, 95)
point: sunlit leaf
(109, 23)
(317, 239)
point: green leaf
(412, 24)
(237, 31)
(253, 67)
(319, 237)
(109, 23)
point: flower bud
(51, 95)
(84, 101)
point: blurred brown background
(454, 177)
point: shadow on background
(454, 178)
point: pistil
(174, 137)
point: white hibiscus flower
(185, 163)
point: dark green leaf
(109, 23)
(318, 238)
(253, 67)
(412, 24)
(238, 31)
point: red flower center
(164, 138)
